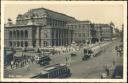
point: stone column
(37, 37)
(30, 37)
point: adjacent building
(39, 28)
(81, 31)
(102, 32)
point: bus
(55, 71)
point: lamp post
(66, 47)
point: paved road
(80, 69)
(91, 68)
(95, 66)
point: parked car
(44, 63)
(73, 54)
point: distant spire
(112, 24)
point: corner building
(39, 28)
(81, 31)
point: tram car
(92, 51)
(73, 54)
(54, 71)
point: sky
(96, 13)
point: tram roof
(43, 72)
(49, 68)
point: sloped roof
(53, 14)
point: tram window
(45, 76)
(63, 71)
(59, 72)
(90, 52)
(50, 74)
(66, 70)
(85, 51)
(55, 73)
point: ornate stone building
(102, 32)
(81, 31)
(39, 28)
(42, 27)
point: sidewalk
(27, 71)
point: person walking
(107, 71)
(28, 69)
(114, 62)
(12, 64)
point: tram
(55, 71)
(93, 51)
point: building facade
(39, 28)
(42, 27)
(81, 31)
(103, 32)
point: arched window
(22, 34)
(17, 33)
(18, 44)
(34, 43)
(14, 33)
(14, 43)
(26, 34)
(45, 43)
(10, 44)
(10, 34)
(26, 44)
(22, 44)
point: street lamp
(66, 46)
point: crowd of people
(22, 61)
(25, 60)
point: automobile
(44, 59)
(44, 63)
(103, 75)
(73, 54)
(87, 54)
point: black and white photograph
(63, 41)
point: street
(94, 66)
(91, 68)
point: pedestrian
(11, 64)
(103, 75)
(32, 60)
(114, 62)
(107, 71)
(29, 61)
(19, 64)
(16, 65)
(28, 69)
